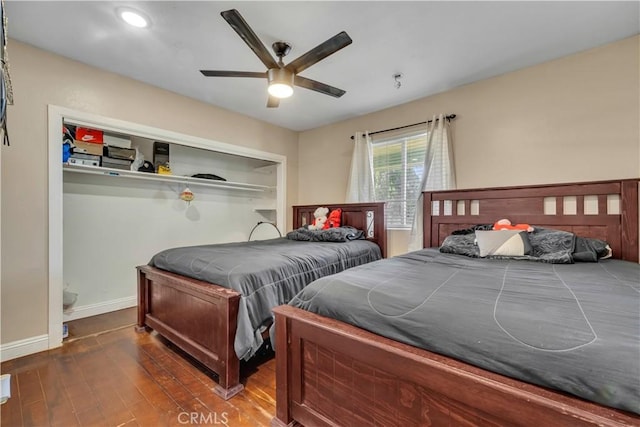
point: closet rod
(449, 117)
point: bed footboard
(330, 373)
(198, 317)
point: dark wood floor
(122, 378)
(98, 324)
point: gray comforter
(571, 327)
(266, 273)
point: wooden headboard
(363, 216)
(592, 212)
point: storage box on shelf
(161, 152)
(92, 148)
(108, 162)
(84, 159)
(119, 141)
(120, 153)
(89, 135)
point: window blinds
(398, 164)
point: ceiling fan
(282, 78)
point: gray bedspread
(570, 327)
(266, 273)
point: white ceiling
(436, 45)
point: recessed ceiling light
(133, 18)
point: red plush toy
(505, 224)
(334, 219)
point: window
(398, 165)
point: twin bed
(351, 348)
(214, 301)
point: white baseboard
(25, 347)
(15, 349)
(99, 308)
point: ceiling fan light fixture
(280, 90)
(280, 82)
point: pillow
(503, 242)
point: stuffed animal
(320, 216)
(334, 219)
(505, 224)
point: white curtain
(438, 174)
(360, 187)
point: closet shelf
(119, 173)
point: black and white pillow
(503, 243)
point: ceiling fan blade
(216, 73)
(318, 87)
(273, 102)
(319, 52)
(241, 27)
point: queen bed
(432, 338)
(214, 301)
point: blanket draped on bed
(552, 246)
(336, 234)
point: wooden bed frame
(331, 373)
(201, 318)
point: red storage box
(89, 135)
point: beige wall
(572, 119)
(41, 78)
